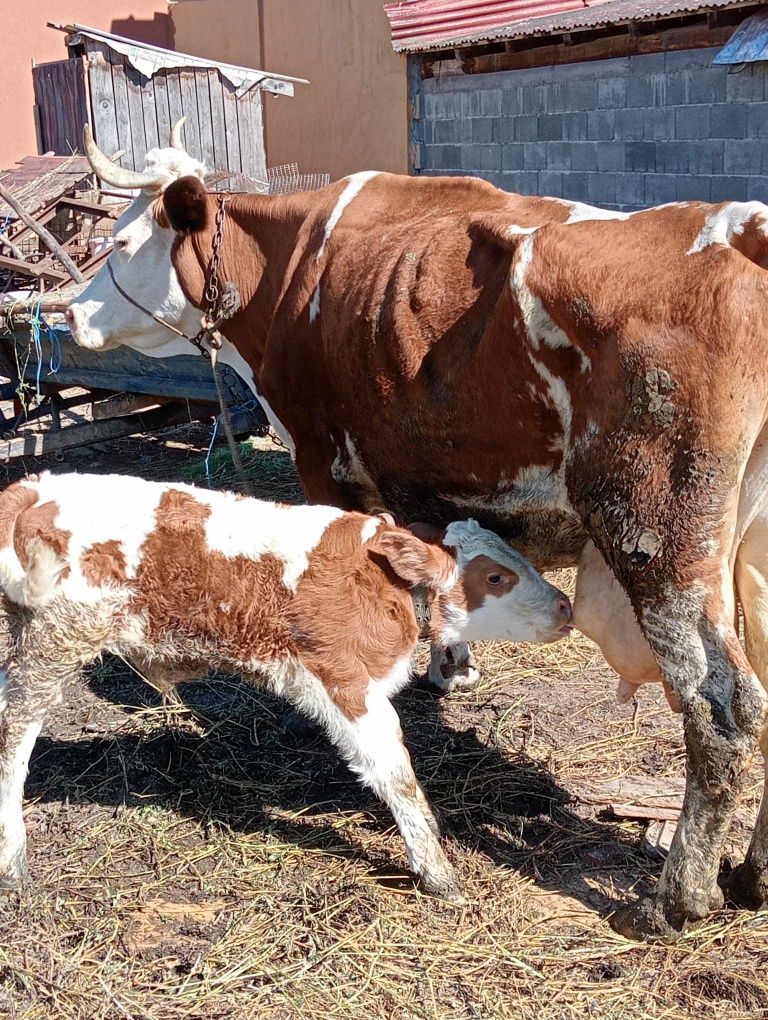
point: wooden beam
(45, 235)
(37, 269)
(55, 301)
(6, 242)
(542, 52)
(174, 413)
(91, 208)
(40, 443)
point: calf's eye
(494, 579)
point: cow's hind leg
(747, 885)
(661, 506)
(724, 707)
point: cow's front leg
(453, 668)
(724, 707)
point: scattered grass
(199, 861)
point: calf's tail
(32, 582)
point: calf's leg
(20, 726)
(453, 668)
(48, 652)
(372, 745)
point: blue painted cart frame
(45, 362)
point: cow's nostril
(69, 315)
(565, 608)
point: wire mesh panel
(286, 179)
(281, 180)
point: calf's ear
(416, 562)
(185, 205)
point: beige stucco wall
(28, 40)
(353, 115)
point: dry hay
(202, 861)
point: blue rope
(247, 405)
(35, 323)
(57, 353)
(210, 450)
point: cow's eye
(494, 579)
(121, 243)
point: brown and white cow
(311, 601)
(587, 385)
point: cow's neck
(259, 238)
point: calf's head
(101, 318)
(479, 587)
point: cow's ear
(185, 204)
(498, 229)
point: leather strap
(422, 609)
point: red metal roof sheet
(433, 20)
(443, 24)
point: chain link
(212, 293)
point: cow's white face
(101, 318)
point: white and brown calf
(312, 601)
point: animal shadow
(241, 768)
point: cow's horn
(117, 176)
(175, 140)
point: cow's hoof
(644, 921)
(650, 920)
(744, 887)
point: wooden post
(17, 253)
(45, 235)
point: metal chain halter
(218, 306)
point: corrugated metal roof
(433, 20)
(419, 25)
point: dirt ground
(202, 861)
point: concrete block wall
(622, 133)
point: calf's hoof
(448, 673)
(746, 887)
(651, 920)
(445, 886)
(14, 875)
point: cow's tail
(33, 584)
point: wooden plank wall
(134, 113)
(62, 105)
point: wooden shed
(132, 93)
